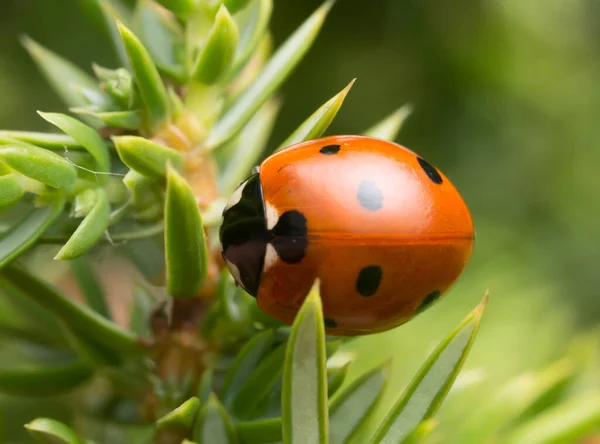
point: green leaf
(235, 5)
(181, 419)
(106, 74)
(30, 316)
(50, 431)
(129, 120)
(389, 127)
(27, 231)
(258, 385)
(238, 82)
(216, 57)
(11, 190)
(304, 396)
(146, 195)
(569, 422)
(332, 345)
(44, 380)
(319, 121)
(213, 425)
(147, 157)
(78, 318)
(140, 311)
(141, 232)
(90, 351)
(350, 409)
(94, 99)
(253, 23)
(274, 73)
(233, 301)
(162, 35)
(553, 384)
(90, 287)
(429, 387)
(147, 254)
(248, 148)
(336, 377)
(175, 103)
(86, 136)
(91, 228)
(119, 84)
(185, 242)
(151, 87)
(55, 142)
(259, 431)
(61, 74)
(512, 402)
(213, 214)
(205, 385)
(39, 164)
(181, 8)
(83, 203)
(25, 340)
(420, 434)
(245, 363)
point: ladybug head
(243, 234)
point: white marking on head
(271, 215)
(235, 272)
(271, 257)
(236, 196)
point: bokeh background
(506, 97)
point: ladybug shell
(383, 231)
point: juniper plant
(141, 170)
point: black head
(243, 234)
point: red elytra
(383, 231)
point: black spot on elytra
(288, 237)
(368, 280)
(290, 224)
(330, 323)
(428, 300)
(330, 149)
(430, 170)
(369, 195)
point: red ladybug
(384, 232)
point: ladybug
(383, 231)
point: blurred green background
(506, 97)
